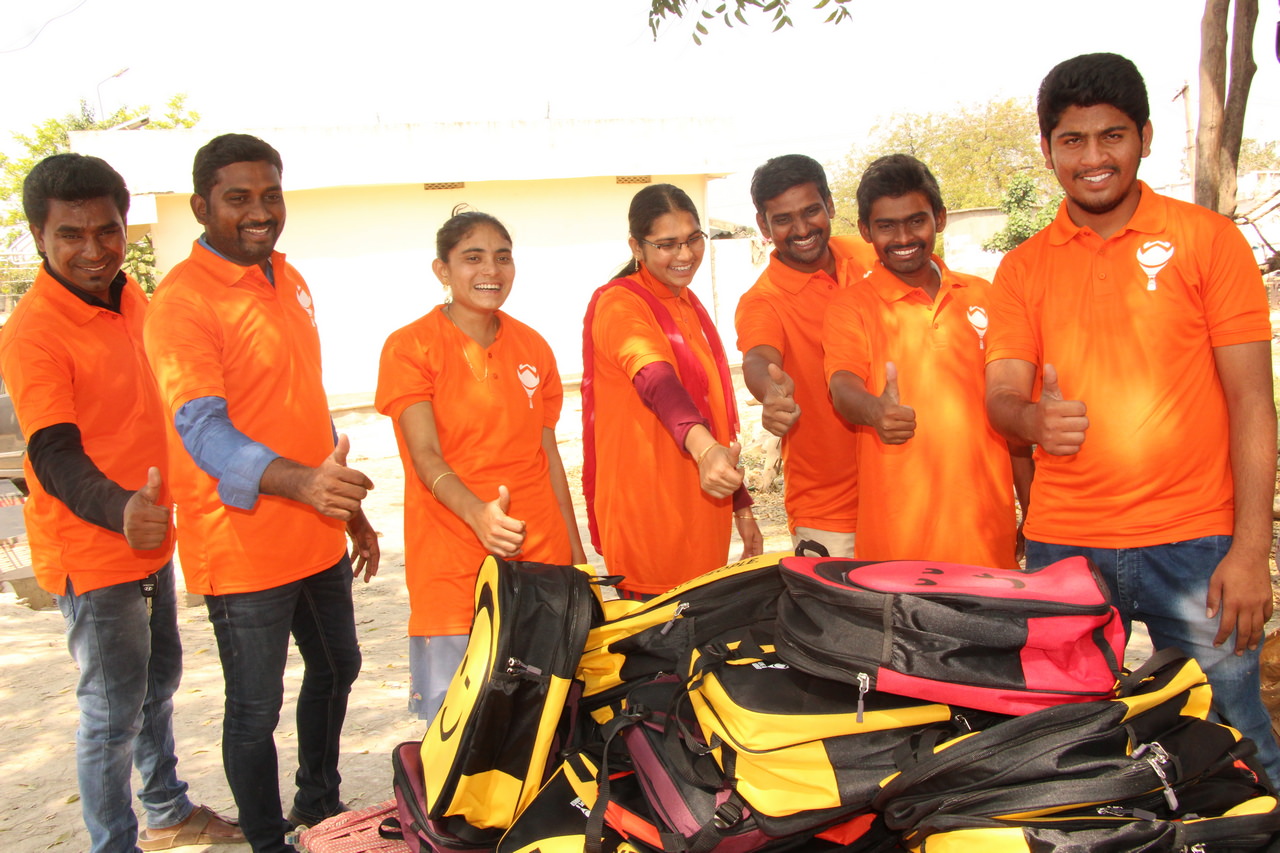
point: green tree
(778, 12)
(973, 151)
(51, 136)
(1027, 212)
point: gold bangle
(437, 480)
(745, 517)
(705, 451)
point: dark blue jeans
(1164, 587)
(253, 630)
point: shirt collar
(891, 288)
(228, 272)
(659, 289)
(1150, 217)
(111, 303)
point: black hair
(71, 177)
(782, 173)
(227, 149)
(1089, 80)
(647, 207)
(462, 224)
(893, 176)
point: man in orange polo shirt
(98, 515)
(263, 493)
(904, 357)
(779, 323)
(1130, 341)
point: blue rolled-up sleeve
(222, 451)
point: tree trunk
(1242, 71)
(1213, 73)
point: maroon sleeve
(660, 389)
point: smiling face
(244, 213)
(799, 223)
(83, 241)
(675, 268)
(1095, 152)
(479, 271)
(903, 229)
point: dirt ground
(39, 809)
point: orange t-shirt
(657, 526)
(1130, 323)
(217, 329)
(65, 361)
(947, 493)
(490, 430)
(784, 310)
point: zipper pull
(516, 666)
(680, 608)
(1157, 759)
(864, 685)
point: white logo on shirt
(1152, 257)
(304, 299)
(978, 319)
(528, 374)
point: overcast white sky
(814, 89)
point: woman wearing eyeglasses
(475, 396)
(660, 468)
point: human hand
(146, 520)
(365, 552)
(498, 532)
(332, 488)
(1240, 589)
(896, 424)
(718, 473)
(780, 408)
(1060, 425)
(749, 533)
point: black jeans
(253, 631)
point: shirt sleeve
(67, 473)
(222, 451)
(757, 323)
(1010, 333)
(845, 345)
(626, 333)
(1235, 299)
(406, 373)
(552, 390)
(660, 390)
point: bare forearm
(1012, 415)
(853, 401)
(1253, 471)
(755, 369)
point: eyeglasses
(670, 247)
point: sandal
(202, 826)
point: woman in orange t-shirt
(475, 396)
(660, 468)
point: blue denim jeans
(253, 629)
(1165, 587)
(130, 665)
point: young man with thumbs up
(264, 495)
(779, 324)
(98, 515)
(904, 359)
(1145, 323)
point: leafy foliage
(50, 137)
(1027, 213)
(1258, 156)
(140, 263)
(973, 151)
(778, 11)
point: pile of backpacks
(819, 704)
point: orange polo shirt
(215, 328)
(657, 527)
(489, 412)
(947, 493)
(784, 310)
(65, 361)
(1130, 323)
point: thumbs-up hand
(1060, 424)
(332, 488)
(497, 531)
(718, 472)
(896, 423)
(780, 408)
(146, 520)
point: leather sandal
(202, 826)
